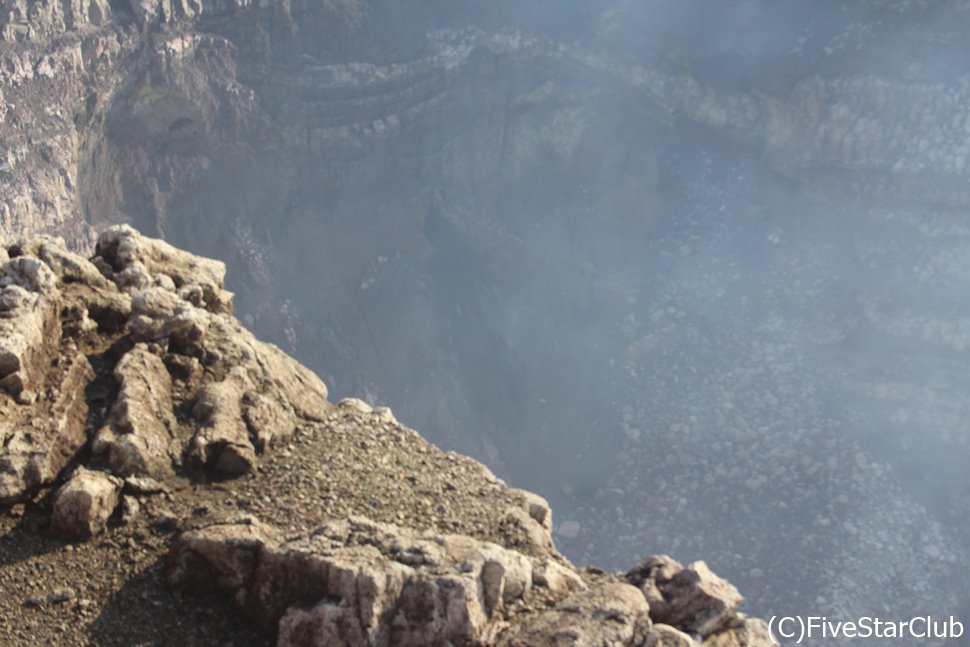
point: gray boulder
(83, 505)
(692, 599)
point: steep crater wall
(519, 235)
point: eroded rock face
(42, 436)
(195, 390)
(29, 331)
(358, 582)
(142, 424)
(42, 378)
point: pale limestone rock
(356, 582)
(385, 415)
(23, 346)
(30, 273)
(557, 578)
(537, 507)
(29, 324)
(692, 599)
(652, 572)
(157, 313)
(268, 418)
(355, 404)
(38, 443)
(222, 439)
(123, 247)
(83, 505)
(130, 509)
(292, 381)
(144, 429)
(155, 302)
(524, 532)
(67, 266)
(144, 485)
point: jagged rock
(110, 310)
(355, 403)
(144, 439)
(159, 313)
(662, 635)
(83, 505)
(650, 573)
(124, 249)
(39, 442)
(610, 613)
(290, 381)
(29, 327)
(66, 266)
(523, 531)
(222, 440)
(692, 599)
(537, 507)
(130, 508)
(173, 316)
(556, 577)
(267, 419)
(29, 273)
(356, 582)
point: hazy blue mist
(691, 339)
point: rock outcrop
(692, 599)
(194, 389)
(356, 582)
(143, 383)
(301, 139)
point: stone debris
(692, 599)
(83, 505)
(54, 596)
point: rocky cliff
(140, 417)
(693, 270)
